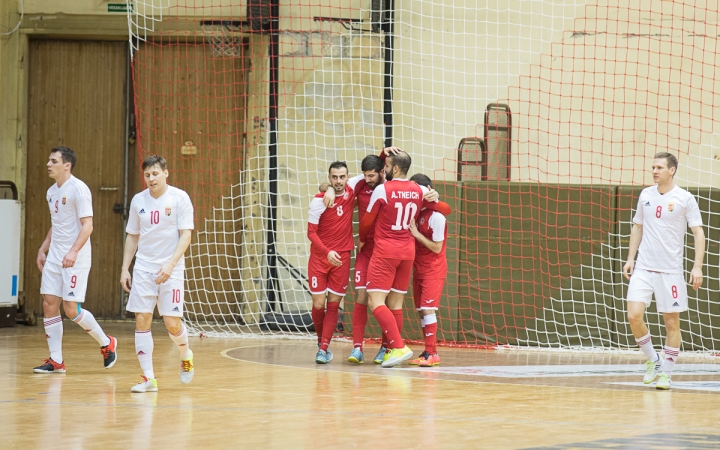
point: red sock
(318, 316)
(384, 340)
(398, 313)
(359, 320)
(431, 338)
(389, 326)
(329, 324)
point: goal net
(537, 120)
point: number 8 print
(674, 292)
(314, 282)
(658, 212)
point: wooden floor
(271, 394)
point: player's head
(422, 180)
(338, 176)
(664, 167)
(373, 169)
(397, 165)
(155, 173)
(61, 162)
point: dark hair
(669, 157)
(372, 162)
(338, 165)
(402, 160)
(67, 155)
(154, 160)
(422, 180)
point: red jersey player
(393, 204)
(429, 272)
(331, 236)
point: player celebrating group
(159, 229)
(429, 272)
(663, 214)
(66, 267)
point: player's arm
(131, 245)
(42, 252)
(86, 230)
(635, 238)
(167, 269)
(696, 275)
(441, 207)
(433, 246)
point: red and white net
(559, 106)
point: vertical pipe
(388, 27)
(272, 284)
(126, 139)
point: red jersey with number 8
(334, 223)
(397, 202)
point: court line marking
(416, 371)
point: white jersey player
(158, 233)
(663, 214)
(66, 267)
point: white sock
(86, 320)
(422, 322)
(181, 340)
(671, 356)
(430, 319)
(645, 344)
(144, 346)
(54, 334)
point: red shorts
(324, 277)
(362, 261)
(427, 292)
(385, 275)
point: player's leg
(143, 298)
(75, 281)
(381, 273)
(417, 296)
(337, 283)
(398, 289)
(639, 295)
(170, 306)
(429, 303)
(671, 302)
(318, 270)
(360, 315)
(51, 289)
(144, 346)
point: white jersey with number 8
(665, 219)
(158, 222)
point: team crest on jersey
(345, 196)
(168, 211)
(671, 207)
(422, 221)
(64, 200)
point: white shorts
(669, 288)
(69, 284)
(145, 294)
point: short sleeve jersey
(399, 201)
(68, 204)
(158, 222)
(665, 219)
(334, 223)
(428, 264)
(363, 192)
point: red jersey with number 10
(397, 202)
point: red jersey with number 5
(396, 202)
(334, 224)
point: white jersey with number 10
(158, 222)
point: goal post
(537, 120)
